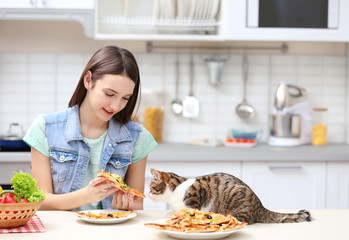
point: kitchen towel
(34, 225)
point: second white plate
(106, 221)
(195, 236)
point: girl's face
(109, 95)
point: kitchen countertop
(326, 224)
(261, 152)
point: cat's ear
(156, 174)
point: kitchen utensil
(13, 141)
(285, 125)
(287, 95)
(290, 122)
(206, 142)
(244, 109)
(214, 66)
(176, 103)
(191, 106)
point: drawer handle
(276, 168)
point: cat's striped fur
(219, 193)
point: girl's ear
(88, 80)
(156, 174)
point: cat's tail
(268, 216)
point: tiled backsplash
(36, 83)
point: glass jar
(319, 127)
(152, 108)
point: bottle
(153, 112)
(319, 127)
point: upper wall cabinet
(190, 20)
(63, 4)
(220, 20)
(76, 10)
(158, 19)
(283, 20)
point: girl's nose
(115, 105)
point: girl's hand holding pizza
(123, 200)
(98, 189)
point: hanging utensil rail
(150, 47)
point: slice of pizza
(119, 183)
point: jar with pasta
(153, 112)
(319, 127)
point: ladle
(244, 109)
(176, 104)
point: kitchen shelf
(176, 26)
(141, 21)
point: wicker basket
(17, 214)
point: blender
(290, 121)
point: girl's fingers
(130, 201)
(117, 200)
(123, 201)
(97, 181)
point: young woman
(68, 148)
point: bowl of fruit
(19, 205)
(241, 138)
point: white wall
(32, 83)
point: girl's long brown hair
(111, 60)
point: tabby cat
(219, 193)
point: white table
(63, 225)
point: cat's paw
(304, 215)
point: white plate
(214, 8)
(106, 221)
(244, 145)
(183, 235)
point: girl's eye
(109, 95)
(126, 98)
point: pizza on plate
(193, 220)
(119, 183)
(103, 215)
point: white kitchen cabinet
(287, 185)
(17, 4)
(63, 4)
(81, 11)
(337, 185)
(186, 169)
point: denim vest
(70, 154)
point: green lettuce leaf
(25, 185)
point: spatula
(191, 105)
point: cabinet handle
(276, 168)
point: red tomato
(242, 140)
(251, 141)
(229, 140)
(235, 140)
